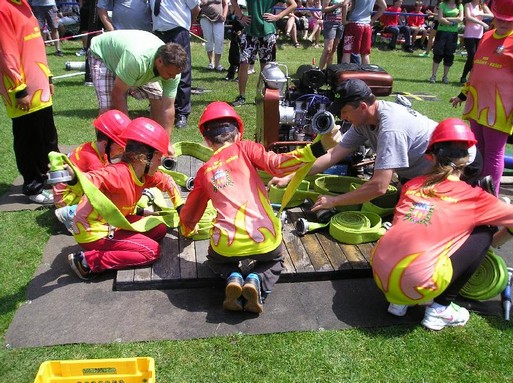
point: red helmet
(452, 129)
(148, 132)
(503, 9)
(112, 123)
(217, 110)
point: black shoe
(181, 122)
(240, 100)
(408, 49)
(59, 53)
(487, 184)
(75, 261)
(229, 76)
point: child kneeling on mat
(245, 226)
(109, 247)
(440, 233)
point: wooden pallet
(315, 256)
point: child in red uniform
(91, 156)
(108, 247)
(439, 235)
(246, 226)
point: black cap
(349, 91)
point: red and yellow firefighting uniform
(87, 158)
(411, 262)
(245, 222)
(118, 183)
(490, 97)
(24, 61)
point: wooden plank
(333, 254)
(318, 257)
(287, 262)
(188, 268)
(354, 256)
(336, 256)
(168, 266)
(142, 274)
(366, 249)
(124, 279)
(297, 251)
(201, 250)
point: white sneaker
(43, 198)
(397, 310)
(65, 216)
(452, 315)
(81, 52)
(251, 70)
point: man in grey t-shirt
(398, 135)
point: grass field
(479, 352)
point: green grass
(479, 352)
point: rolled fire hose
(489, 280)
(351, 227)
(331, 185)
(192, 149)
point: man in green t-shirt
(121, 61)
(259, 36)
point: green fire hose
(350, 227)
(489, 280)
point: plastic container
(123, 370)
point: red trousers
(125, 249)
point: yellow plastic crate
(123, 370)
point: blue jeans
(394, 30)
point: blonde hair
(449, 159)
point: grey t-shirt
(400, 139)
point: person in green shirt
(259, 37)
(122, 61)
(450, 15)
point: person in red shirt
(393, 25)
(417, 25)
(105, 245)
(246, 227)
(90, 156)
(440, 233)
